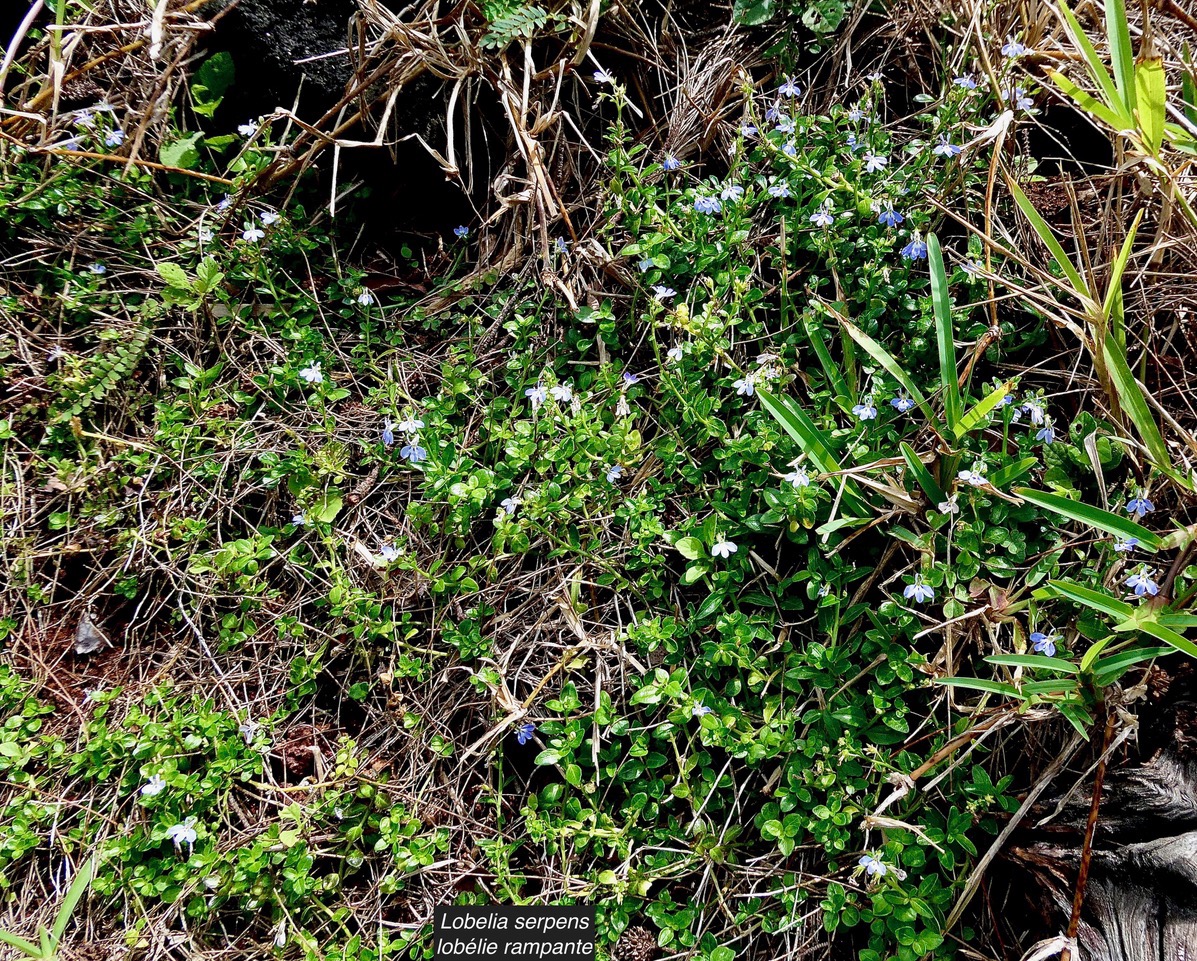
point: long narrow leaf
(980, 684)
(1039, 662)
(919, 472)
(1119, 266)
(941, 303)
(1151, 94)
(1049, 239)
(1097, 67)
(1110, 606)
(74, 893)
(1169, 637)
(982, 409)
(814, 444)
(1116, 664)
(835, 376)
(894, 369)
(1103, 520)
(1121, 53)
(1005, 476)
(1135, 404)
(1112, 118)
(25, 947)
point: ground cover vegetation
(776, 485)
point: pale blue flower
(974, 478)
(965, 82)
(1034, 409)
(509, 505)
(1125, 545)
(524, 732)
(413, 452)
(252, 233)
(1142, 583)
(856, 114)
(670, 163)
(916, 249)
(247, 129)
(388, 433)
(790, 88)
(707, 205)
(822, 217)
(114, 138)
(98, 269)
(732, 193)
(601, 76)
(1139, 506)
(773, 114)
(745, 386)
(945, 148)
(901, 403)
(389, 553)
(184, 833)
(646, 265)
(700, 710)
(785, 125)
(674, 353)
(461, 232)
(299, 520)
(919, 592)
(780, 190)
(661, 292)
(614, 473)
(798, 478)
(748, 130)
(270, 217)
(1044, 643)
(312, 373)
(629, 378)
(1012, 48)
(789, 149)
(890, 217)
(874, 162)
(154, 786)
(536, 395)
(561, 246)
(723, 548)
(873, 867)
(1046, 433)
(561, 393)
(1018, 97)
(865, 409)
(410, 425)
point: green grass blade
(1113, 119)
(1118, 268)
(982, 409)
(25, 947)
(1036, 661)
(1151, 95)
(1121, 53)
(894, 369)
(835, 377)
(76, 891)
(1005, 476)
(1135, 404)
(941, 303)
(1097, 67)
(1095, 517)
(919, 472)
(1169, 637)
(1116, 664)
(980, 684)
(1048, 237)
(1103, 603)
(1045, 688)
(814, 444)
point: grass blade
(1116, 664)
(982, 409)
(941, 303)
(1095, 517)
(1121, 53)
(1103, 603)
(1049, 239)
(1113, 119)
(1151, 94)
(1035, 661)
(1007, 475)
(1169, 637)
(980, 684)
(919, 472)
(1135, 404)
(1097, 67)
(1117, 269)
(835, 376)
(894, 369)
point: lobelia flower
(700, 710)
(890, 217)
(747, 130)
(972, 270)
(181, 834)
(916, 249)
(1044, 643)
(509, 505)
(1125, 545)
(365, 298)
(661, 292)
(822, 217)
(389, 553)
(524, 732)
(410, 425)
(1139, 506)
(674, 353)
(561, 393)
(746, 385)
(225, 202)
(388, 433)
(1034, 409)
(780, 190)
(798, 477)
(270, 217)
(601, 76)
(1018, 96)
(461, 232)
(773, 113)
(918, 591)
(413, 452)
(646, 265)
(561, 246)
(965, 82)
(312, 373)
(732, 193)
(856, 114)
(154, 786)
(790, 88)
(974, 477)
(945, 148)
(629, 378)
(114, 137)
(536, 395)
(901, 403)
(299, 520)
(1012, 48)
(785, 125)
(865, 409)
(949, 506)
(707, 205)
(85, 118)
(874, 162)
(1142, 584)
(252, 233)
(873, 867)
(247, 129)
(614, 473)
(670, 163)
(723, 548)
(248, 729)
(789, 149)
(1046, 433)
(97, 269)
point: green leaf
(1114, 294)
(174, 275)
(182, 153)
(1040, 226)
(208, 276)
(1122, 54)
(1088, 103)
(1169, 637)
(982, 409)
(1117, 664)
(1151, 93)
(690, 548)
(1135, 404)
(26, 947)
(1035, 661)
(752, 13)
(74, 893)
(919, 472)
(1095, 517)
(1097, 67)
(980, 684)
(216, 74)
(886, 360)
(1104, 603)
(329, 507)
(547, 756)
(835, 376)
(941, 303)
(1004, 476)
(1047, 688)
